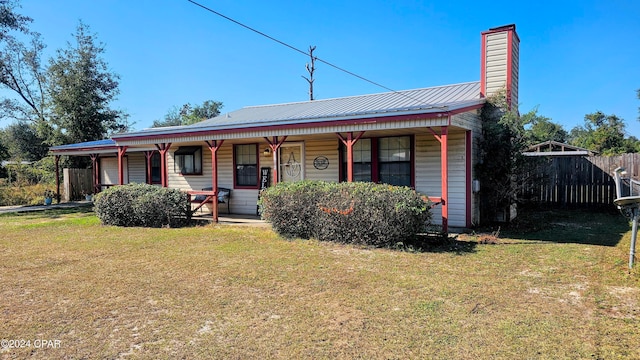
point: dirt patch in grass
(242, 292)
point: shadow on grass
(604, 228)
(438, 244)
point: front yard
(561, 291)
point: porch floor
(232, 219)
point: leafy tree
(22, 73)
(82, 89)
(604, 134)
(504, 137)
(542, 128)
(23, 142)
(187, 115)
(10, 21)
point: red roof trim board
(483, 66)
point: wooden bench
(205, 196)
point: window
(155, 168)
(361, 160)
(188, 160)
(381, 160)
(246, 165)
(394, 160)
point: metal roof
(87, 144)
(407, 102)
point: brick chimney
(500, 63)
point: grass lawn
(560, 290)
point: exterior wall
(500, 63)
(137, 165)
(471, 121)
(428, 179)
(328, 149)
(496, 62)
(109, 170)
(427, 170)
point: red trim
(96, 172)
(121, 151)
(483, 65)
(163, 148)
(412, 158)
(349, 142)
(214, 146)
(469, 177)
(149, 155)
(114, 148)
(444, 173)
(374, 120)
(275, 144)
(235, 181)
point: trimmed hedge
(357, 213)
(143, 205)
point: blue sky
(576, 57)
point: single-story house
(424, 138)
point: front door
(291, 162)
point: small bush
(357, 213)
(143, 205)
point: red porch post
(149, 155)
(96, 173)
(57, 161)
(163, 148)
(469, 177)
(275, 144)
(121, 151)
(214, 146)
(444, 173)
(349, 142)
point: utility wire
(301, 51)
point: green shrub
(143, 205)
(24, 194)
(357, 213)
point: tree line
(65, 99)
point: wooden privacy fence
(575, 181)
(77, 183)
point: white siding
(109, 170)
(137, 167)
(328, 149)
(428, 178)
(496, 62)
(515, 70)
(427, 168)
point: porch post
(349, 142)
(57, 161)
(149, 155)
(163, 148)
(214, 146)
(444, 173)
(96, 173)
(121, 151)
(275, 144)
(469, 177)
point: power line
(301, 51)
